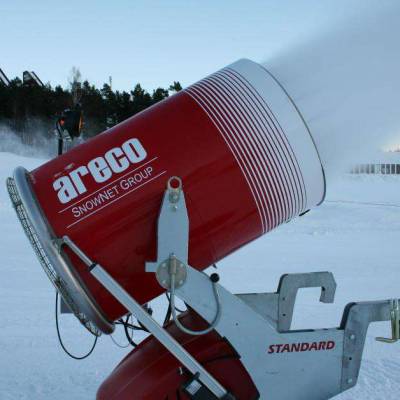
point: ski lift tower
(3, 78)
(31, 79)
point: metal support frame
(279, 306)
(159, 333)
(148, 321)
(284, 364)
(289, 286)
(356, 320)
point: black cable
(125, 324)
(131, 335)
(128, 325)
(169, 311)
(60, 151)
(62, 344)
(118, 344)
(139, 327)
(167, 314)
(169, 300)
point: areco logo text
(101, 169)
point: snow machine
(147, 206)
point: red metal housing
(246, 159)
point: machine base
(151, 372)
(236, 346)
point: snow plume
(39, 145)
(346, 84)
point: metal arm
(148, 321)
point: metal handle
(395, 322)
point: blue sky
(152, 42)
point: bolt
(214, 277)
(352, 336)
(350, 380)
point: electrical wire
(179, 324)
(60, 151)
(125, 323)
(131, 337)
(62, 344)
(176, 308)
(118, 344)
(129, 325)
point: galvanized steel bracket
(356, 319)
(395, 323)
(173, 227)
(289, 286)
(164, 271)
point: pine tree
(175, 87)
(159, 94)
(25, 106)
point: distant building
(384, 162)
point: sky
(153, 42)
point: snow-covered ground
(359, 243)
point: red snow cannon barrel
(242, 150)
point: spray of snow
(39, 146)
(346, 84)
